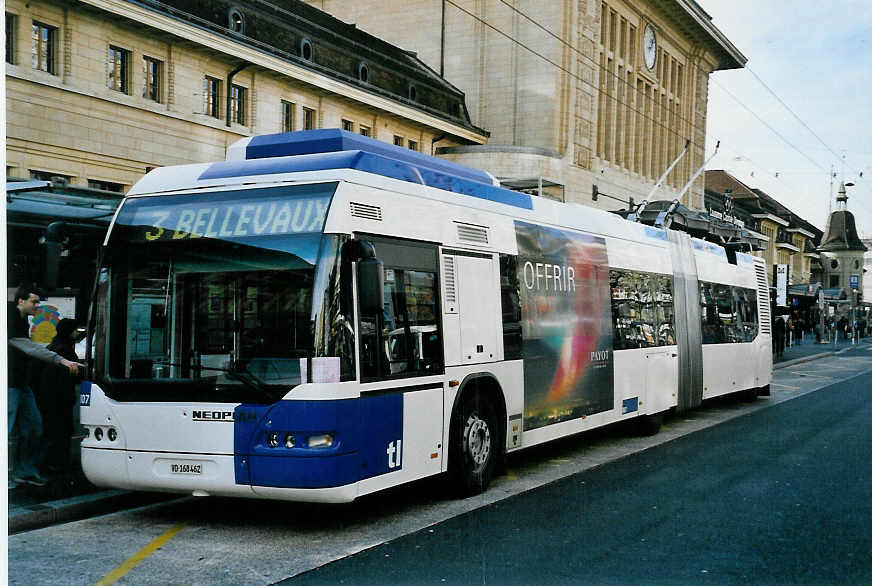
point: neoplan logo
(212, 415)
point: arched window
(363, 72)
(306, 49)
(236, 21)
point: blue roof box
(318, 150)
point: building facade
(98, 92)
(842, 252)
(575, 93)
(790, 239)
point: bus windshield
(222, 297)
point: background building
(842, 252)
(575, 93)
(98, 92)
(790, 239)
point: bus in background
(324, 315)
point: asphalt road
(780, 496)
(592, 503)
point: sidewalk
(810, 350)
(66, 497)
(69, 496)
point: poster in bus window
(566, 324)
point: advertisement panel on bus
(566, 324)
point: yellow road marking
(143, 553)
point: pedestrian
(56, 399)
(21, 408)
(778, 331)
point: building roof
(841, 233)
(755, 201)
(335, 49)
(40, 203)
(696, 23)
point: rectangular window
(212, 97)
(105, 185)
(288, 118)
(510, 294)
(834, 281)
(413, 145)
(642, 310)
(398, 140)
(308, 119)
(404, 339)
(152, 73)
(49, 176)
(44, 41)
(365, 131)
(10, 38)
(118, 66)
(348, 125)
(237, 103)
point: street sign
(855, 281)
(781, 285)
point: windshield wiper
(242, 376)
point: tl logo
(395, 454)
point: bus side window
(405, 340)
(709, 314)
(511, 306)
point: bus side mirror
(371, 286)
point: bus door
(401, 364)
(471, 309)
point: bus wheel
(649, 424)
(474, 446)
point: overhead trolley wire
(629, 87)
(795, 115)
(642, 115)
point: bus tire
(649, 424)
(474, 445)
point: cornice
(238, 51)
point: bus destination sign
(230, 220)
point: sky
(815, 58)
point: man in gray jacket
(21, 404)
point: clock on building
(649, 47)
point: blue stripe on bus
(651, 232)
(367, 441)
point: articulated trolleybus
(323, 315)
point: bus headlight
(112, 435)
(290, 441)
(324, 440)
(98, 434)
(272, 439)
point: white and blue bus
(323, 315)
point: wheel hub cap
(478, 439)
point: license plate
(186, 468)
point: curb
(37, 516)
(800, 360)
(811, 357)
